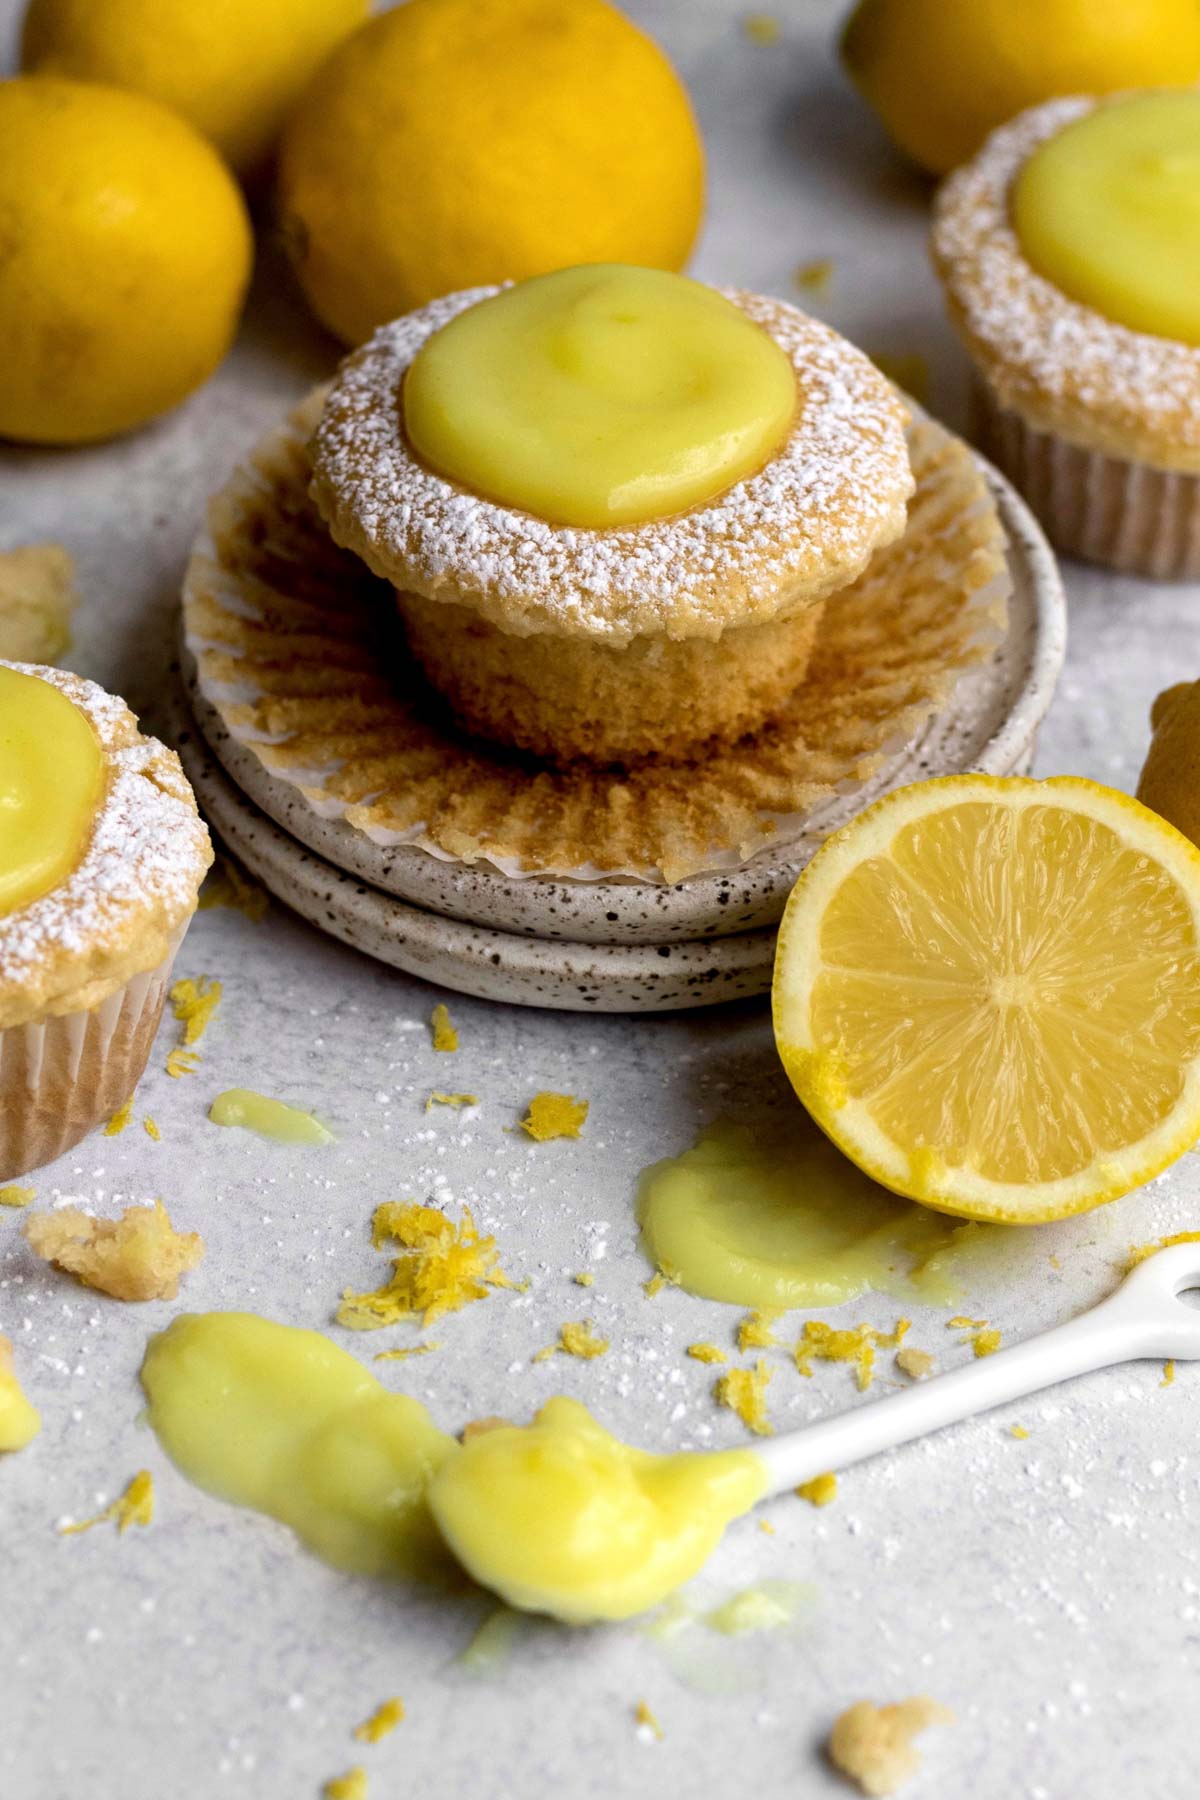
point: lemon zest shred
(228, 885)
(151, 1130)
(743, 1391)
(706, 1353)
(761, 28)
(350, 1786)
(456, 1100)
(575, 1339)
(960, 1322)
(584, 1279)
(182, 1062)
(554, 1116)
(814, 277)
(643, 1716)
(657, 1282)
(119, 1120)
(754, 1331)
(766, 1525)
(1018, 1431)
(985, 1343)
(402, 1355)
(820, 1490)
(1168, 1373)
(443, 1267)
(383, 1720)
(135, 1506)
(445, 1037)
(17, 1196)
(194, 1004)
(856, 1345)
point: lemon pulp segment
(600, 396)
(1109, 211)
(561, 1517)
(51, 783)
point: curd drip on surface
(600, 396)
(1109, 211)
(561, 1517)
(268, 1118)
(779, 1218)
(282, 1420)
(51, 786)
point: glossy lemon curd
(284, 1421)
(1109, 211)
(268, 1118)
(778, 1217)
(51, 785)
(600, 396)
(560, 1517)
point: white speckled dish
(492, 965)
(991, 725)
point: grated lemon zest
(707, 1353)
(194, 1004)
(133, 1507)
(575, 1339)
(554, 1116)
(743, 1391)
(119, 1120)
(443, 1267)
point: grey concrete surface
(1047, 1589)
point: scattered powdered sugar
(801, 528)
(144, 863)
(1040, 348)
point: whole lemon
(232, 67)
(942, 74)
(125, 249)
(1170, 780)
(456, 142)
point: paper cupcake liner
(60, 1076)
(299, 650)
(1122, 515)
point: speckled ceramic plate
(492, 965)
(990, 725)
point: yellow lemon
(987, 993)
(456, 142)
(941, 74)
(233, 69)
(125, 249)
(1170, 781)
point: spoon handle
(1143, 1318)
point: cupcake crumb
(873, 1744)
(139, 1256)
(37, 598)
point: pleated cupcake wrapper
(298, 650)
(1125, 516)
(61, 1076)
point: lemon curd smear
(1109, 211)
(600, 396)
(778, 1218)
(560, 1517)
(51, 785)
(268, 1118)
(282, 1420)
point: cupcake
(1070, 254)
(612, 502)
(102, 853)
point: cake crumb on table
(37, 598)
(139, 1256)
(872, 1745)
(915, 1363)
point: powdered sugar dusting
(1064, 365)
(143, 866)
(801, 528)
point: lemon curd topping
(51, 784)
(561, 1517)
(600, 396)
(1108, 209)
(282, 1420)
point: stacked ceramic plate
(292, 784)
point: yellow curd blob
(51, 783)
(561, 1517)
(268, 1118)
(282, 1420)
(1109, 211)
(600, 396)
(778, 1218)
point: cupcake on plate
(102, 853)
(1069, 250)
(612, 502)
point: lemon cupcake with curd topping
(1069, 250)
(102, 853)
(612, 502)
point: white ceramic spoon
(1145, 1317)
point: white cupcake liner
(61, 1076)
(1122, 515)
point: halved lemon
(987, 993)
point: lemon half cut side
(987, 993)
